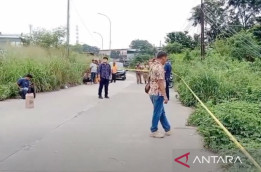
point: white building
(10, 39)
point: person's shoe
(169, 133)
(107, 97)
(157, 134)
(100, 97)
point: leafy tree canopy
(143, 46)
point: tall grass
(218, 79)
(232, 90)
(50, 68)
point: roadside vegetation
(228, 79)
(44, 56)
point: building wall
(105, 52)
(126, 53)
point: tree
(143, 46)
(85, 49)
(215, 18)
(226, 17)
(90, 49)
(244, 47)
(141, 58)
(182, 38)
(244, 11)
(77, 48)
(46, 38)
(173, 48)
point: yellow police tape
(217, 121)
(223, 127)
(136, 70)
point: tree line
(233, 27)
(55, 38)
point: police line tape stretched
(231, 137)
(137, 70)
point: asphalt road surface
(73, 131)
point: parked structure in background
(121, 55)
(12, 39)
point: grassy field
(232, 91)
(51, 69)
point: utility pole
(77, 35)
(31, 28)
(110, 27)
(202, 18)
(68, 28)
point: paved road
(72, 131)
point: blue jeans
(93, 76)
(167, 87)
(23, 92)
(159, 114)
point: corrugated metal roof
(11, 36)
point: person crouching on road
(87, 77)
(24, 85)
(158, 96)
(105, 73)
(114, 72)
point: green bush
(241, 46)
(187, 56)
(217, 79)
(242, 119)
(51, 69)
(141, 58)
(231, 88)
(173, 48)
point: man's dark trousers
(104, 83)
(167, 87)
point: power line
(218, 27)
(251, 48)
(234, 32)
(85, 26)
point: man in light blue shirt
(93, 67)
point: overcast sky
(131, 19)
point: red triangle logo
(178, 160)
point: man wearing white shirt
(93, 68)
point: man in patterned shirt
(158, 95)
(104, 73)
